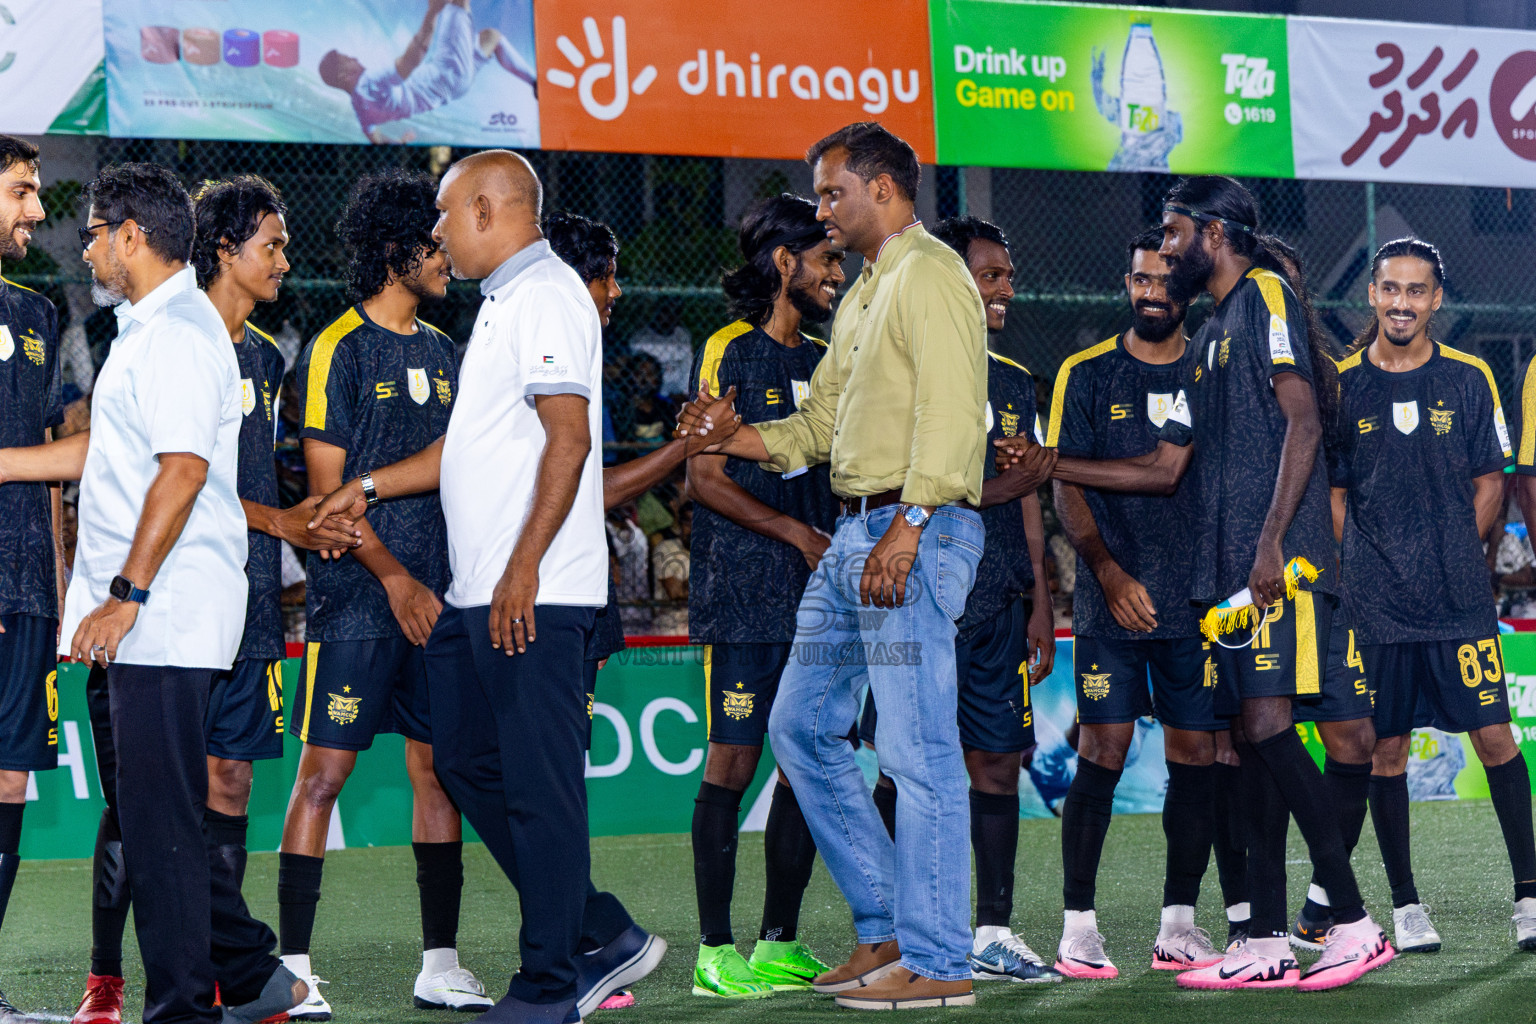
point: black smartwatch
(124, 590)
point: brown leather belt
(859, 506)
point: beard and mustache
(1156, 322)
(1189, 272)
(10, 249)
(111, 290)
(802, 294)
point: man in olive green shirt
(896, 406)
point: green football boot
(721, 972)
(787, 966)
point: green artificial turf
(366, 936)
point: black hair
(873, 151)
(150, 196)
(386, 228)
(1419, 250)
(228, 214)
(1215, 197)
(14, 151)
(959, 232)
(1276, 254)
(782, 220)
(1150, 240)
(588, 246)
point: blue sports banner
(429, 72)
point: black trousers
(192, 924)
(509, 743)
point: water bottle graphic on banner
(1148, 129)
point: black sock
(1187, 825)
(109, 898)
(715, 813)
(440, 885)
(10, 847)
(1300, 785)
(885, 803)
(1265, 825)
(789, 852)
(298, 890)
(1509, 784)
(226, 834)
(1350, 785)
(995, 840)
(1228, 838)
(1389, 815)
(1085, 815)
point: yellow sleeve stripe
(714, 351)
(1272, 289)
(1059, 394)
(1006, 360)
(1350, 361)
(813, 340)
(1528, 420)
(1493, 389)
(259, 333)
(23, 287)
(320, 367)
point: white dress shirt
(537, 333)
(171, 384)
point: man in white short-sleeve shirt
(159, 589)
(520, 477)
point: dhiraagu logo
(595, 66)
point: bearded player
(1006, 639)
(1422, 456)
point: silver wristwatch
(369, 494)
(914, 515)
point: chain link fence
(676, 218)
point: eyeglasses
(88, 234)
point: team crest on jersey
(1096, 685)
(444, 390)
(1226, 351)
(32, 345)
(1440, 419)
(1159, 405)
(247, 396)
(1010, 421)
(1501, 430)
(417, 386)
(738, 705)
(343, 710)
(1405, 416)
(7, 344)
(801, 389)
(1280, 341)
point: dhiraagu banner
(1093, 88)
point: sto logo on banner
(718, 78)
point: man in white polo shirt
(158, 594)
(521, 483)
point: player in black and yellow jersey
(757, 535)
(1006, 638)
(30, 561)
(1132, 622)
(238, 257)
(379, 384)
(1422, 450)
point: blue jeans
(918, 890)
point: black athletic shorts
(245, 712)
(349, 691)
(740, 682)
(29, 693)
(1284, 658)
(1452, 685)
(1346, 693)
(589, 674)
(1113, 675)
(994, 710)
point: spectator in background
(669, 572)
(652, 415)
(669, 343)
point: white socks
(1317, 894)
(1239, 912)
(436, 961)
(1078, 922)
(1177, 918)
(298, 963)
(988, 934)
(1273, 946)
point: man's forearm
(629, 480)
(1488, 502)
(712, 488)
(747, 444)
(554, 492)
(1157, 472)
(1297, 456)
(1034, 535)
(167, 506)
(1082, 531)
(57, 460)
(415, 474)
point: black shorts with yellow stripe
(740, 682)
(245, 711)
(1284, 657)
(1122, 680)
(29, 693)
(349, 691)
(1452, 685)
(1346, 694)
